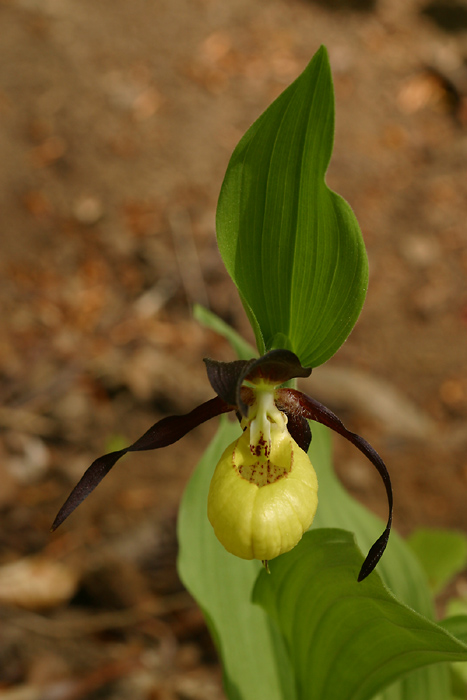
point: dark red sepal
(299, 429)
(275, 367)
(296, 402)
(163, 433)
(224, 376)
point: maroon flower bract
(233, 383)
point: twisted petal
(299, 429)
(295, 402)
(163, 433)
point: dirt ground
(117, 121)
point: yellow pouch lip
(262, 521)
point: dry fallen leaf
(36, 583)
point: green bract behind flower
(258, 505)
(292, 246)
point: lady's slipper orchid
(263, 495)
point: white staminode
(264, 416)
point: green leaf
(457, 626)
(456, 607)
(252, 651)
(399, 568)
(291, 245)
(346, 640)
(242, 348)
(442, 553)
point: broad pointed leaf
(252, 651)
(346, 640)
(292, 246)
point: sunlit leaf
(292, 246)
(456, 625)
(252, 651)
(346, 640)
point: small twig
(187, 257)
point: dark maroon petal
(275, 367)
(164, 432)
(298, 403)
(88, 482)
(299, 429)
(224, 377)
(173, 428)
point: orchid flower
(263, 494)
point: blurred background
(117, 121)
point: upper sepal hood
(276, 367)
